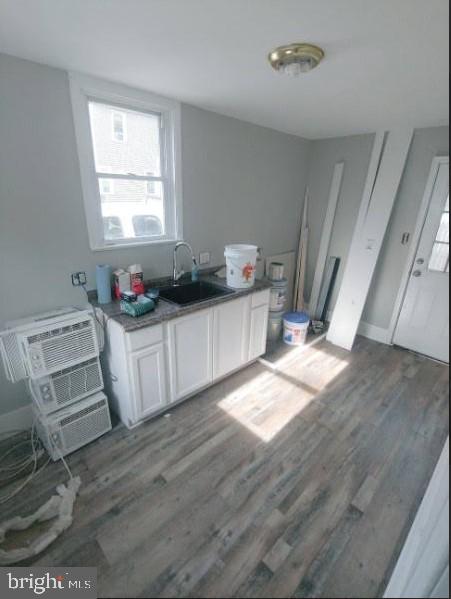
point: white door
(258, 332)
(423, 324)
(149, 380)
(190, 353)
(230, 349)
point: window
(145, 225)
(151, 188)
(439, 260)
(112, 227)
(118, 126)
(106, 187)
(131, 189)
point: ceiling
(386, 61)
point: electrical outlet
(78, 278)
(204, 258)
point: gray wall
(356, 151)
(241, 182)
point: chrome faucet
(177, 274)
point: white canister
(275, 271)
(278, 295)
(275, 325)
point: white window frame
(84, 89)
(123, 117)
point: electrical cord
(15, 468)
(33, 460)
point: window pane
(125, 141)
(112, 228)
(106, 186)
(443, 231)
(135, 213)
(118, 126)
(440, 257)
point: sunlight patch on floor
(273, 398)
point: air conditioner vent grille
(79, 415)
(72, 346)
(77, 381)
(86, 425)
(57, 332)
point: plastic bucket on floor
(278, 295)
(241, 260)
(295, 328)
(275, 325)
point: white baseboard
(370, 331)
(17, 420)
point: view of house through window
(127, 159)
(439, 260)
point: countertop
(166, 310)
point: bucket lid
(297, 317)
(241, 247)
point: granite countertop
(166, 310)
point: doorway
(423, 324)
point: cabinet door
(149, 380)
(230, 333)
(258, 331)
(190, 353)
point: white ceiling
(386, 60)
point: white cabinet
(230, 341)
(148, 377)
(258, 331)
(190, 352)
(150, 368)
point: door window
(439, 260)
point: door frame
(437, 162)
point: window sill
(125, 246)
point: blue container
(103, 280)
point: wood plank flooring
(298, 478)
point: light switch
(204, 258)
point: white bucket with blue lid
(295, 328)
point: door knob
(420, 261)
(416, 273)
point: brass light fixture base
(307, 55)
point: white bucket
(295, 328)
(278, 295)
(275, 271)
(275, 325)
(241, 261)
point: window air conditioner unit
(69, 429)
(65, 387)
(39, 346)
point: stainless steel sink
(192, 293)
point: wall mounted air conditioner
(42, 345)
(70, 428)
(65, 387)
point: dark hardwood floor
(297, 478)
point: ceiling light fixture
(295, 59)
